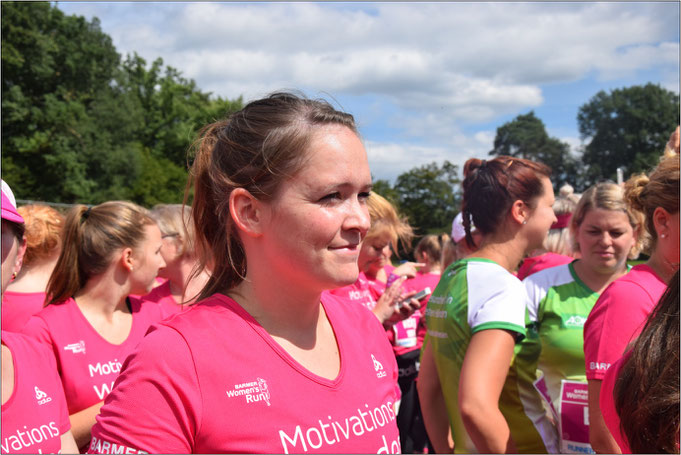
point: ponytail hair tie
(85, 214)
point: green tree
(526, 137)
(53, 67)
(626, 128)
(384, 188)
(79, 125)
(429, 196)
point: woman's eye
(331, 197)
(363, 196)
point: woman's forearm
(82, 423)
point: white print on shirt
(106, 368)
(29, 437)
(106, 389)
(599, 366)
(253, 391)
(41, 396)
(76, 347)
(575, 321)
(99, 446)
(335, 431)
(380, 373)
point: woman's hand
(394, 306)
(407, 269)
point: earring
(14, 275)
(131, 268)
(662, 236)
(524, 221)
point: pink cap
(9, 211)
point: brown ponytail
(91, 237)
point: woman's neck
(595, 280)
(33, 278)
(507, 251)
(104, 295)
(661, 266)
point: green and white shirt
(559, 303)
(477, 294)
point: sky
(426, 82)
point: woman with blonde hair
(35, 418)
(604, 230)
(110, 251)
(183, 281)
(622, 308)
(266, 361)
(25, 295)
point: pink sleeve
(155, 405)
(615, 320)
(36, 328)
(607, 404)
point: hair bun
(566, 190)
(471, 165)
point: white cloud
(440, 66)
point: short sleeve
(501, 306)
(615, 320)
(155, 405)
(535, 294)
(37, 329)
(607, 403)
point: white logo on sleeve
(41, 396)
(380, 373)
(252, 391)
(76, 347)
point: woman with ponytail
(266, 361)
(109, 251)
(476, 315)
(621, 310)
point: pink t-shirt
(408, 334)
(87, 363)
(35, 415)
(212, 380)
(162, 295)
(618, 317)
(534, 264)
(607, 403)
(18, 307)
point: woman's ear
(247, 212)
(519, 212)
(662, 221)
(19, 261)
(127, 259)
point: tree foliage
(526, 137)
(81, 125)
(627, 128)
(429, 196)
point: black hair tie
(86, 214)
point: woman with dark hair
(476, 315)
(621, 310)
(266, 361)
(35, 417)
(643, 412)
(110, 251)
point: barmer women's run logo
(251, 391)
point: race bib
(574, 417)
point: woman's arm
(433, 406)
(599, 436)
(68, 444)
(388, 311)
(82, 422)
(483, 374)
